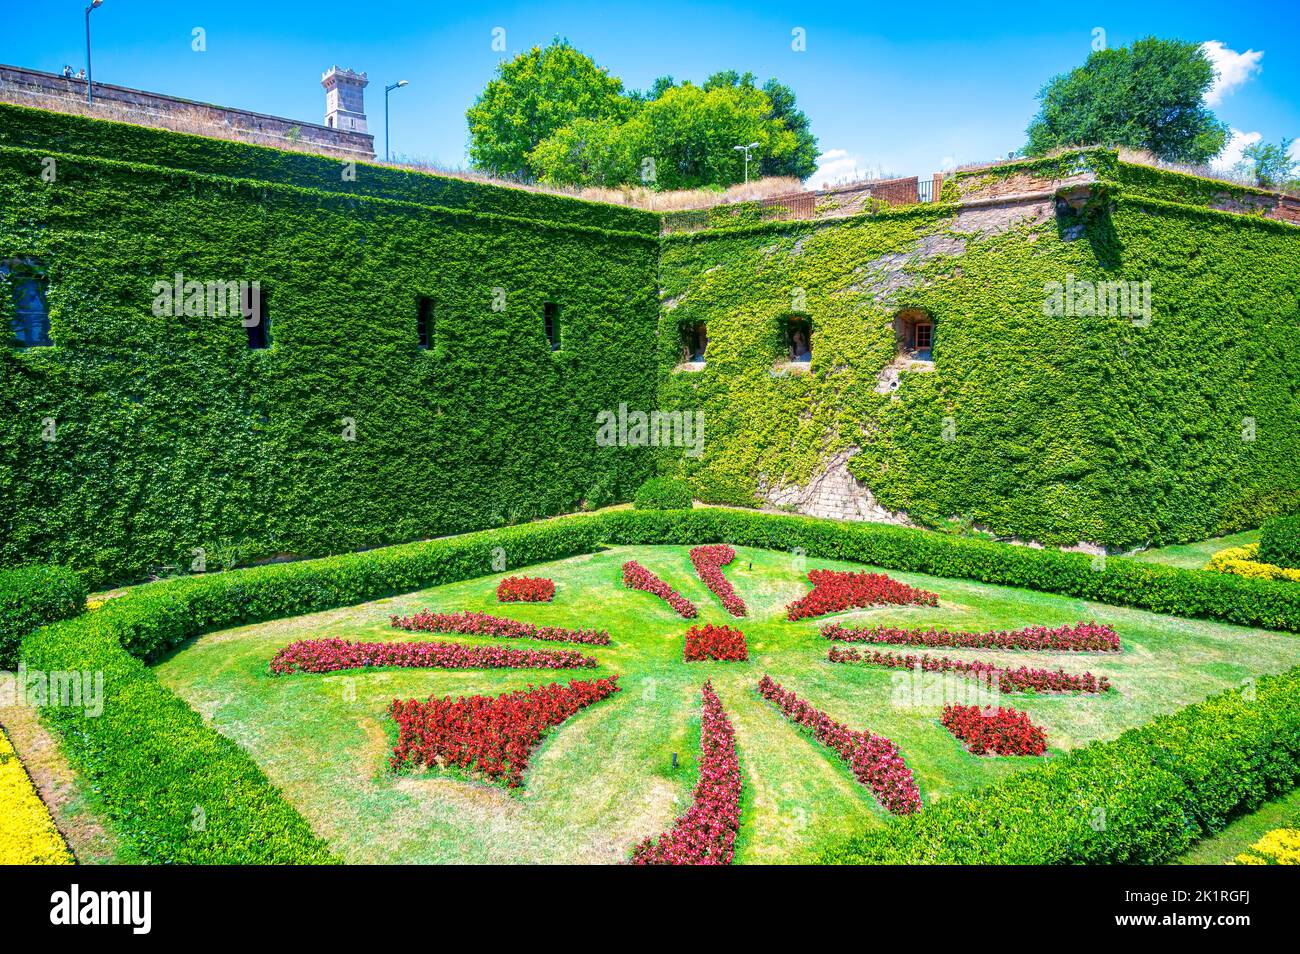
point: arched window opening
(695, 341)
(914, 329)
(799, 339)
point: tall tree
(531, 97)
(1148, 96)
(1270, 164)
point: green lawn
(1194, 556)
(1220, 849)
(604, 780)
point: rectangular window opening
(256, 316)
(551, 324)
(28, 287)
(424, 327)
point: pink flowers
(481, 624)
(706, 834)
(1001, 732)
(494, 736)
(1021, 679)
(1081, 637)
(637, 577)
(332, 655)
(708, 562)
(525, 589)
(874, 760)
(834, 590)
(722, 643)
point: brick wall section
(40, 89)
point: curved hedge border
(34, 596)
(151, 757)
(1116, 581)
(1140, 799)
(153, 760)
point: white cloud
(1231, 69)
(1231, 155)
(947, 164)
(1294, 151)
(836, 166)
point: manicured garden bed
(606, 779)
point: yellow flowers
(1242, 561)
(1281, 846)
(27, 834)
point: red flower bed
(834, 590)
(875, 761)
(706, 834)
(720, 643)
(481, 624)
(525, 589)
(1081, 637)
(708, 562)
(492, 735)
(331, 655)
(637, 577)
(1000, 732)
(1021, 679)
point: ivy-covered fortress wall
(1045, 414)
(139, 437)
(1040, 413)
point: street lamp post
(90, 77)
(388, 89)
(745, 150)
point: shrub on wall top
(31, 597)
(1279, 542)
(664, 493)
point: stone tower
(345, 99)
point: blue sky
(894, 88)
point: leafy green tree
(1270, 164)
(531, 97)
(684, 138)
(1148, 96)
(802, 162)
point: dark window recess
(551, 322)
(695, 341)
(424, 326)
(27, 288)
(257, 318)
(799, 339)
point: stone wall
(53, 91)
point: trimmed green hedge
(31, 597)
(154, 763)
(1279, 542)
(663, 493)
(1114, 580)
(1140, 799)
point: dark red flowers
(706, 834)
(708, 562)
(525, 589)
(1081, 637)
(874, 760)
(1020, 679)
(332, 655)
(492, 735)
(722, 643)
(481, 624)
(995, 732)
(834, 590)
(637, 577)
